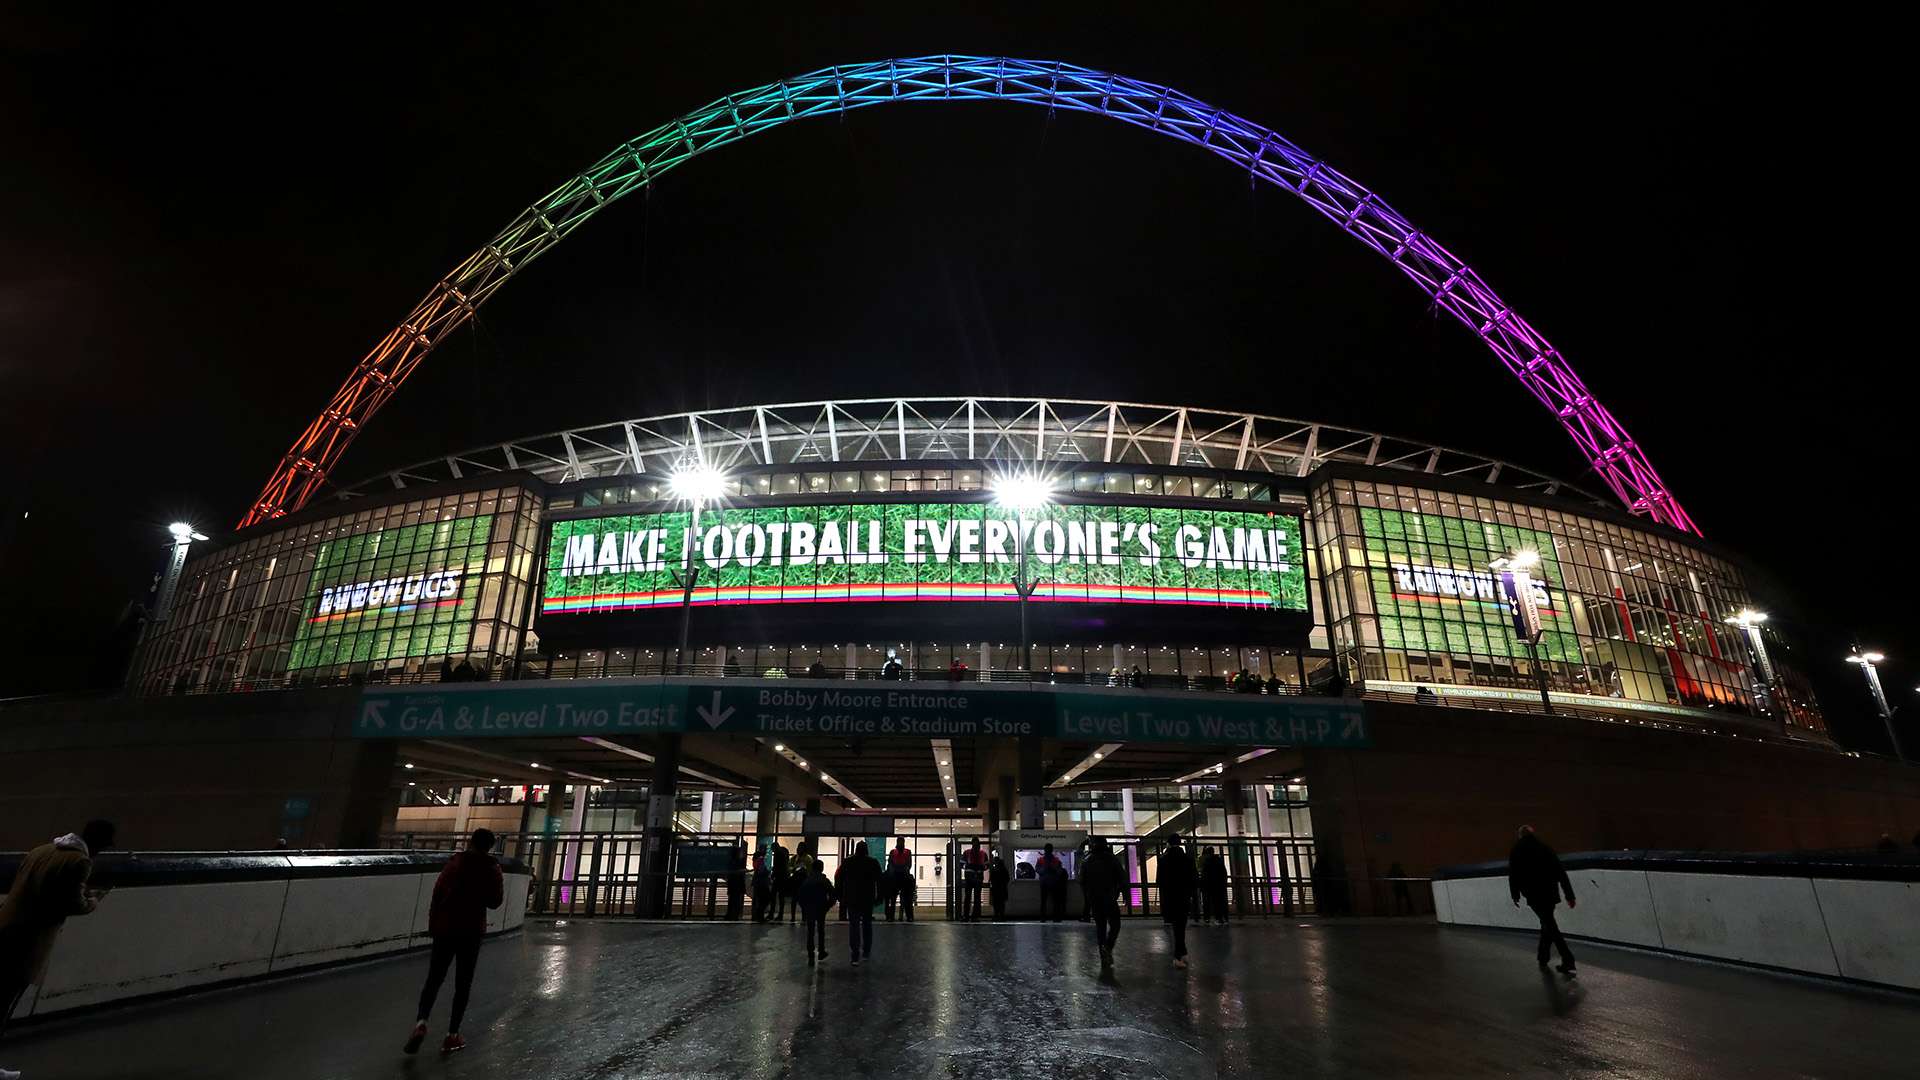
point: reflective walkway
(1366, 998)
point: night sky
(210, 220)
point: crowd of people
(53, 884)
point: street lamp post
(1867, 660)
(1749, 620)
(1516, 576)
(1020, 493)
(695, 484)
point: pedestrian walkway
(1363, 998)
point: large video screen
(392, 593)
(930, 551)
(1434, 590)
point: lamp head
(697, 483)
(1022, 491)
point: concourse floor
(1361, 998)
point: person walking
(1402, 895)
(900, 883)
(1053, 886)
(469, 885)
(814, 897)
(1100, 882)
(1534, 873)
(1213, 886)
(997, 887)
(780, 882)
(973, 876)
(803, 861)
(859, 880)
(737, 880)
(1176, 889)
(49, 887)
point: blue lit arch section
(1452, 285)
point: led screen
(1434, 589)
(390, 593)
(930, 551)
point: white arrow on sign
(716, 715)
(1355, 728)
(373, 714)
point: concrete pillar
(657, 895)
(576, 822)
(706, 811)
(1238, 865)
(1033, 804)
(1008, 805)
(1133, 850)
(767, 822)
(1269, 856)
(463, 814)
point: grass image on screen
(1434, 590)
(931, 552)
(392, 593)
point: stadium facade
(1190, 544)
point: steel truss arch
(1266, 155)
(1062, 431)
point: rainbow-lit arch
(1451, 284)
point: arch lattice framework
(1450, 283)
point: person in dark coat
(1534, 873)
(737, 881)
(1053, 885)
(997, 877)
(1176, 888)
(780, 880)
(1213, 886)
(814, 896)
(469, 886)
(1100, 882)
(859, 885)
(49, 887)
(762, 888)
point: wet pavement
(1362, 998)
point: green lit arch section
(1451, 284)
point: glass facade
(1409, 597)
(381, 592)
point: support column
(463, 816)
(1033, 798)
(657, 894)
(706, 812)
(1238, 864)
(1133, 848)
(1263, 820)
(766, 824)
(576, 823)
(1009, 806)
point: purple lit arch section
(1451, 284)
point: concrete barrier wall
(157, 938)
(1851, 928)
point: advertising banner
(853, 709)
(1434, 589)
(929, 552)
(406, 591)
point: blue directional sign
(798, 707)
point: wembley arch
(1267, 156)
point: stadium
(1350, 656)
(852, 533)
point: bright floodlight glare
(1523, 560)
(183, 532)
(1866, 658)
(699, 483)
(1022, 491)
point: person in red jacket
(469, 886)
